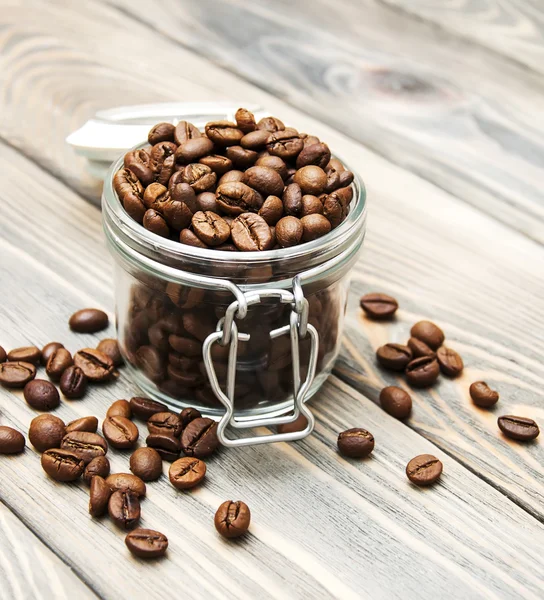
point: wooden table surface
(440, 107)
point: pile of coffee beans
(236, 186)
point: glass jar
(246, 337)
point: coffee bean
(255, 140)
(185, 131)
(48, 350)
(120, 408)
(292, 200)
(89, 320)
(271, 124)
(139, 162)
(394, 356)
(482, 395)
(241, 158)
(146, 464)
(191, 151)
(163, 161)
(29, 354)
(206, 202)
(234, 175)
(45, 432)
(419, 348)
(120, 432)
(232, 519)
(165, 444)
(245, 120)
(62, 465)
(89, 424)
(130, 192)
(95, 365)
(11, 440)
(314, 227)
(3, 355)
(150, 361)
(299, 424)
(317, 154)
(146, 543)
(518, 428)
(187, 472)
(273, 162)
(199, 438)
(161, 132)
(379, 306)
(84, 445)
(154, 222)
(217, 163)
(424, 469)
(284, 144)
(223, 133)
(165, 422)
(396, 402)
(16, 374)
(110, 348)
(144, 408)
(235, 198)
(99, 496)
(99, 465)
(186, 236)
(265, 180)
(451, 363)
(58, 362)
(41, 394)
(124, 509)
(251, 233)
(311, 205)
(423, 371)
(355, 443)
(127, 482)
(428, 332)
(210, 228)
(289, 232)
(311, 179)
(200, 177)
(73, 382)
(271, 210)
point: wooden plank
(28, 569)
(474, 127)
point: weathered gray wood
(28, 569)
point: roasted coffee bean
(210, 228)
(139, 162)
(16, 374)
(245, 120)
(3, 355)
(154, 222)
(29, 354)
(271, 210)
(223, 133)
(187, 472)
(185, 131)
(120, 408)
(130, 192)
(355, 443)
(482, 395)
(311, 205)
(165, 444)
(275, 163)
(450, 361)
(234, 175)
(177, 215)
(84, 445)
(299, 424)
(255, 140)
(161, 132)
(199, 438)
(144, 408)
(165, 422)
(241, 158)
(146, 464)
(314, 227)
(423, 371)
(419, 348)
(127, 482)
(198, 324)
(424, 469)
(89, 320)
(48, 350)
(120, 432)
(311, 179)
(232, 519)
(192, 150)
(271, 124)
(429, 333)
(99, 496)
(124, 509)
(89, 424)
(394, 356)
(62, 465)
(379, 306)
(95, 365)
(149, 359)
(182, 192)
(289, 232)
(251, 233)
(98, 466)
(285, 144)
(186, 236)
(163, 161)
(200, 177)
(187, 415)
(45, 432)
(317, 154)
(206, 202)
(11, 440)
(333, 210)
(185, 346)
(235, 198)
(110, 348)
(41, 394)
(292, 200)
(217, 163)
(146, 543)
(518, 428)
(73, 382)
(265, 180)
(396, 402)
(58, 362)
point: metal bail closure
(227, 333)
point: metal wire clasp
(227, 333)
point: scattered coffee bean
(394, 356)
(379, 306)
(120, 408)
(165, 422)
(232, 519)
(89, 320)
(11, 440)
(146, 464)
(355, 443)
(396, 402)
(424, 469)
(199, 438)
(187, 415)
(99, 495)
(145, 407)
(45, 432)
(16, 374)
(419, 348)
(482, 395)
(62, 465)
(48, 350)
(165, 444)
(29, 354)
(428, 332)
(518, 428)
(423, 371)
(95, 365)
(127, 482)
(187, 472)
(84, 445)
(124, 509)
(120, 432)
(41, 394)
(146, 543)
(98, 466)
(58, 362)
(73, 383)
(110, 348)
(88, 424)
(3, 355)
(450, 362)
(299, 424)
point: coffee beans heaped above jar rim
(237, 186)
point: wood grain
(29, 570)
